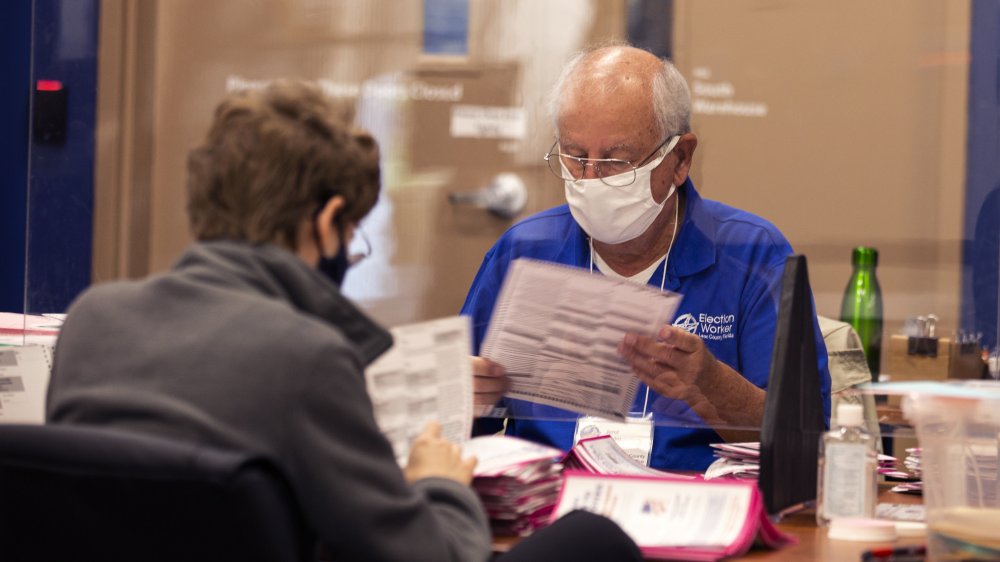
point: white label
(634, 435)
(488, 122)
(845, 482)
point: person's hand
(434, 456)
(675, 364)
(489, 383)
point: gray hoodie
(247, 347)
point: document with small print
(426, 375)
(556, 331)
(675, 519)
(24, 382)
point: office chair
(91, 493)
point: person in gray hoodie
(247, 343)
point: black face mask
(335, 268)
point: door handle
(505, 196)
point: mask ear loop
(663, 279)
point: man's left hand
(675, 364)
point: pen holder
(916, 358)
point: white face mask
(617, 214)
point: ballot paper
(24, 381)
(676, 519)
(556, 331)
(426, 375)
(517, 482)
(603, 455)
(497, 454)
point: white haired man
(624, 148)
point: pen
(913, 553)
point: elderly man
(624, 148)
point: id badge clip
(635, 434)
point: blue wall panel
(61, 175)
(982, 195)
(15, 44)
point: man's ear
(329, 236)
(685, 152)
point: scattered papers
(736, 460)
(24, 381)
(517, 481)
(888, 466)
(556, 331)
(29, 329)
(901, 512)
(426, 375)
(907, 476)
(603, 455)
(676, 519)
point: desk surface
(813, 542)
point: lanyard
(663, 279)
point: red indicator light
(48, 85)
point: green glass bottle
(862, 305)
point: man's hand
(489, 383)
(676, 364)
(434, 456)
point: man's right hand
(489, 383)
(434, 456)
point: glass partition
(844, 124)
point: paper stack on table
(888, 466)
(603, 455)
(28, 329)
(735, 460)
(912, 463)
(517, 480)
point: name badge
(635, 434)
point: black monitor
(793, 410)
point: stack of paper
(518, 482)
(27, 329)
(603, 455)
(676, 519)
(888, 466)
(912, 461)
(735, 460)
(913, 467)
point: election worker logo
(687, 323)
(708, 326)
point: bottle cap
(850, 415)
(863, 255)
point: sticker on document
(634, 435)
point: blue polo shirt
(727, 263)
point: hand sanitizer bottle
(847, 480)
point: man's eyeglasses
(611, 171)
(359, 248)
